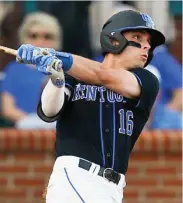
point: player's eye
(137, 37)
(150, 42)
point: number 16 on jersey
(126, 122)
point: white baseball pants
(70, 184)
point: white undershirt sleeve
(52, 99)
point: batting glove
(29, 54)
(50, 65)
(66, 58)
(46, 63)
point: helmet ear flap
(106, 42)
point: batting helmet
(124, 21)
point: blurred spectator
(9, 24)
(73, 16)
(168, 60)
(23, 84)
(4, 8)
(175, 47)
(11, 16)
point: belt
(107, 173)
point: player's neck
(113, 61)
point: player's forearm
(92, 72)
(52, 99)
(86, 70)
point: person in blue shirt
(168, 109)
(23, 84)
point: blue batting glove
(27, 53)
(66, 58)
(46, 63)
(31, 54)
(50, 65)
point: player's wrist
(57, 82)
(57, 77)
(67, 60)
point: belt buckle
(110, 175)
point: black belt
(107, 173)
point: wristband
(57, 78)
(66, 58)
(57, 82)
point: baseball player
(100, 108)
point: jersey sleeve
(69, 84)
(149, 89)
(47, 119)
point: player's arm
(135, 83)
(118, 80)
(52, 99)
(55, 95)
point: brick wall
(154, 174)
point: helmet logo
(148, 20)
(112, 33)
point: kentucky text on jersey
(89, 93)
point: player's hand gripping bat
(52, 69)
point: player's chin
(140, 64)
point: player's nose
(146, 46)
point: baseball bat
(8, 50)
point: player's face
(41, 37)
(133, 55)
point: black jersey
(100, 125)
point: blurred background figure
(168, 60)
(11, 15)
(22, 85)
(73, 16)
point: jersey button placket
(106, 130)
(107, 106)
(108, 154)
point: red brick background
(154, 174)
